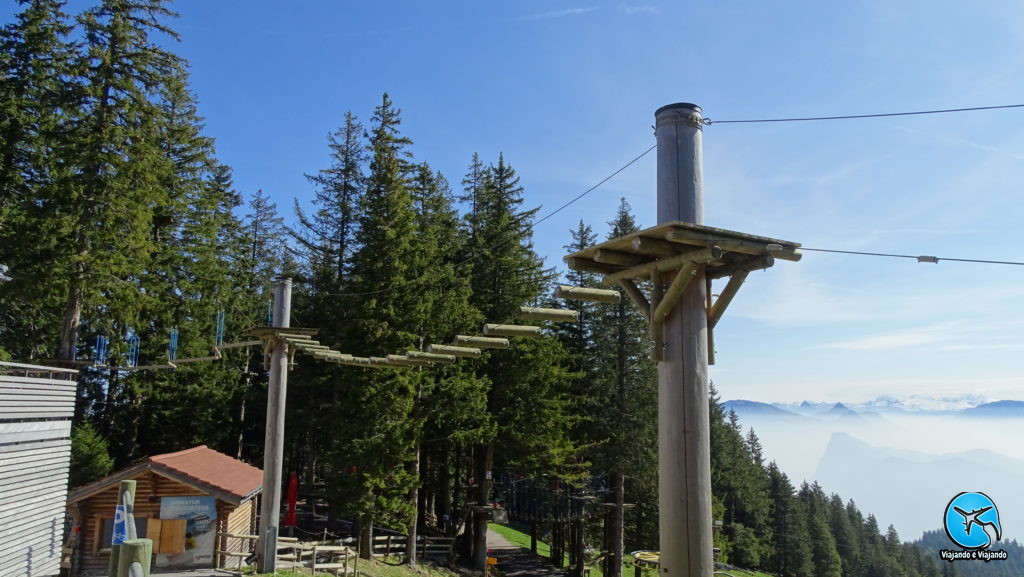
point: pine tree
(327, 235)
(622, 383)
(110, 201)
(325, 242)
(38, 89)
(381, 443)
(448, 398)
(527, 402)
(790, 553)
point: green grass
(520, 539)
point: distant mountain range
(902, 459)
(911, 489)
(967, 406)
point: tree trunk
(463, 501)
(484, 457)
(618, 524)
(443, 497)
(366, 538)
(72, 318)
(410, 543)
(241, 409)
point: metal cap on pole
(684, 450)
(270, 503)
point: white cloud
(966, 142)
(914, 337)
(787, 296)
(557, 14)
(633, 9)
(955, 335)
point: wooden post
(273, 447)
(125, 504)
(684, 453)
(533, 536)
(134, 558)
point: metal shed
(36, 407)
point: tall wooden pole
(273, 448)
(684, 451)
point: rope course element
(709, 122)
(100, 350)
(918, 258)
(133, 350)
(218, 331)
(172, 345)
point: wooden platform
(668, 257)
(667, 246)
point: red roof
(214, 469)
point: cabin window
(104, 528)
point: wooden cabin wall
(149, 488)
(235, 521)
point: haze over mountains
(901, 459)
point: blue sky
(567, 91)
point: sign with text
(200, 531)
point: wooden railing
(321, 556)
(438, 548)
(291, 554)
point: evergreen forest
(129, 245)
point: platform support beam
(684, 452)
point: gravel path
(514, 561)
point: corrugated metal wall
(36, 406)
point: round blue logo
(972, 521)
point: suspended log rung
(196, 359)
(239, 345)
(354, 361)
(432, 357)
(454, 350)
(481, 342)
(146, 367)
(496, 330)
(380, 362)
(407, 362)
(587, 294)
(543, 314)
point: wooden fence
(36, 407)
(436, 548)
(338, 558)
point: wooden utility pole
(270, 501)
(678, 258)
(684, 434)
